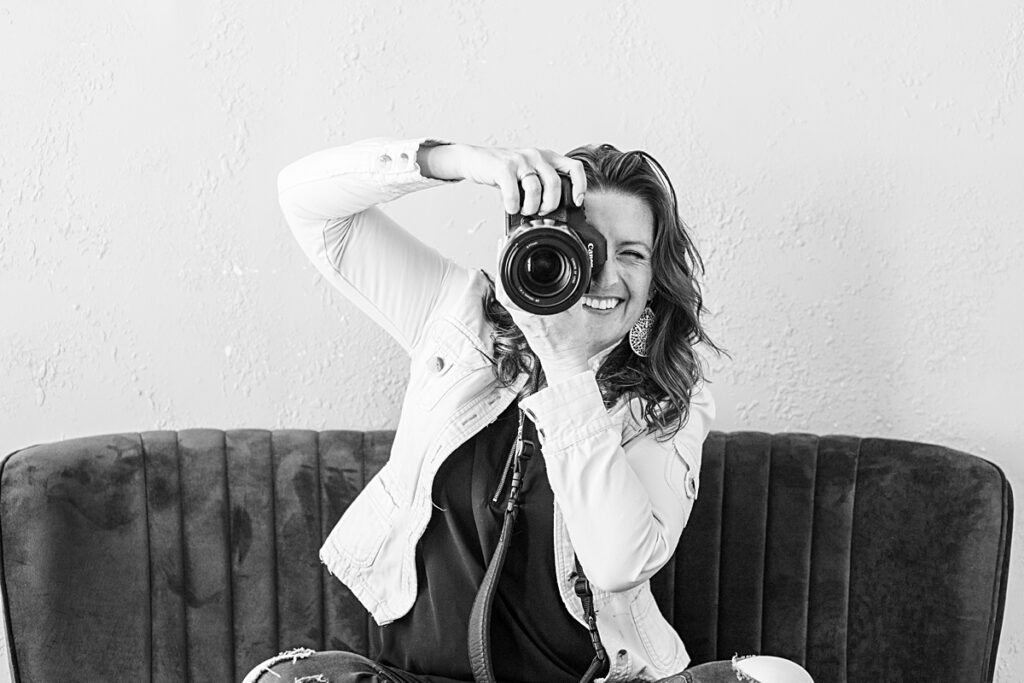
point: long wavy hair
(666, 378)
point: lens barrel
(544, 269)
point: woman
(612, 386)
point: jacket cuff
(568, 411)
(393, 164)
(387, 165)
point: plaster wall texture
(852, 173)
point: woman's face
(625, 280)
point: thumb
(499, 289)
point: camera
(548, 262)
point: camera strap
(480, 616)
(586, 595)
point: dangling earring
(640, 333)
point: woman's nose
(607, 276)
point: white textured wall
(853, 172)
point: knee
(766, 669)
(279, 666)
(269, 666)
(303, 665)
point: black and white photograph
(467, 341)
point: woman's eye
(634, 254)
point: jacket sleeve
(330, 199)
(624, 505)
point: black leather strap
(480, 616)
(581, 585)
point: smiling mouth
(601, 303)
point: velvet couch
(192, 555)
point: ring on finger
(527, 175)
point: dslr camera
(548, 262)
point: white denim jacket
(621, 497)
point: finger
(502, 296)
(532, 189)
(576, 171)
(499, 289)
(552, 187)
(508, 183)
(502, 239)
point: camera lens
(545, 268)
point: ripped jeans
(303, 665)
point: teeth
(602, 304)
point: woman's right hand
(535, 170)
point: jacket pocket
(363, 528)
(683, 472)
(448, 357)
(662, 644)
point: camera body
(548, 262)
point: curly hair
(666, 378)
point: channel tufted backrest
(864, 559)
(170, 556)
(192, 555)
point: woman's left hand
(559, 340)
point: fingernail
(579, 200)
